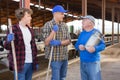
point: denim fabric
(26, 73)
(59, 69)
(90, 70)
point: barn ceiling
(43, 13)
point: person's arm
(65, 42)
(77, 43)
(101, 46)
(8, 39)
(50, 37)
(49, 34)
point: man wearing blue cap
(55, 33)
(89, 45)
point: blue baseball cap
(59, 8)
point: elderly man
(56, 34)
(89, 54)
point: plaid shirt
(20, 49)
(59, 52)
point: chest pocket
(62, 33)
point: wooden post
(118, 19)
(13, 50)
(113, 13)
(103, 15)
(24, 3)
(50, 59)
(84, 7)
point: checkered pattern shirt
(59, 52)
(20, 49)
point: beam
(84, 7)
(113, 14)
(103, 15)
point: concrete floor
(110, 64)
(110, 70)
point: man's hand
(10, 37)
(90, 49)
(55, 28)
(55, 42)
(81, 47)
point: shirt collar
(53, 22)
